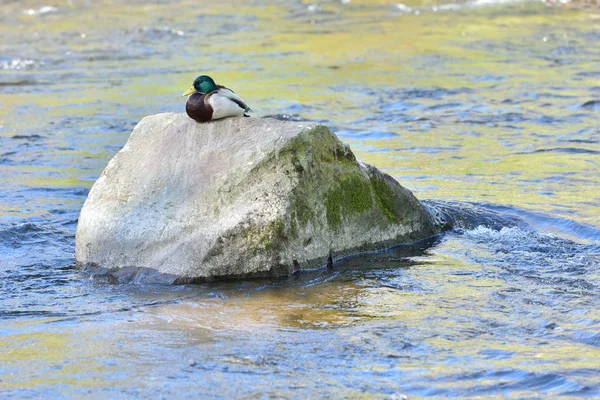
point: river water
(494, 104)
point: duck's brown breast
(197, 109)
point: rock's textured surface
(238, 197)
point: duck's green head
(202, 84)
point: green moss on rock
(304, 212)
(385, 198)
(316, 144)
(351, 197)
(331, 187)
(266, 237)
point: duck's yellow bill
(188, 92)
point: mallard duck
(209, 101)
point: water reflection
(455, 316)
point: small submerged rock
(240, 197)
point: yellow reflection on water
(315, 58)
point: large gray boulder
(240, 197)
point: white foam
(41, 11)
(18, 64)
